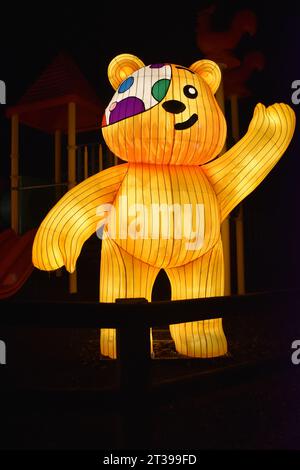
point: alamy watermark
(153, 221)
(296, 354)
(2, 92)
(2, 352)
(296, 94)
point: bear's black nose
(174, 106)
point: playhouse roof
(44, 104)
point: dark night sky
(93, 33)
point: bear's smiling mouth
(179, 126)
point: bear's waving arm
(74, 219)
(239, 171)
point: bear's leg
(121, 276)
(203, 277)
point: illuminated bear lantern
(165, 122)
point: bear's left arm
(239, 171)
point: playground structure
(16, 264)
(60, 103)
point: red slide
(15, 261)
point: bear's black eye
(190, 91)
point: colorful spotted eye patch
(141, 91)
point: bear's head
(164, 113)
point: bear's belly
(165, 215)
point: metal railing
(90, 159)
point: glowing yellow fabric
(239, 171)
(73, 220)
(164, 120)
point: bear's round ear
(209, 71)
(121, 67)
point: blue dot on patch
(126, 85)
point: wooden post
(235, 118)
(85, 163)
(225, 235)
(72, 172)
(14, 172)
(93, 158)
(134, 358)
(57, 161)
(100, 158)
(240, 254)
(239, 221)
(57, 172)
(71, 145)
(225, 227)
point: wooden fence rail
(117, 315)
(133, 318)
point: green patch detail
(160, 88)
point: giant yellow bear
(164, 121)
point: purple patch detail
(126, 108)
(157, 66)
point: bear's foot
(200, 339)
(108, 346)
